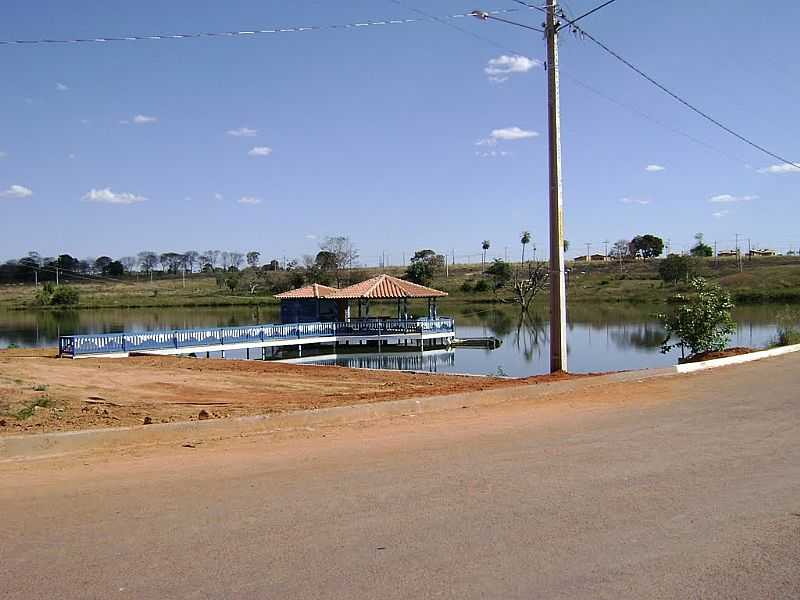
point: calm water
(600, 338)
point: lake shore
(41, 393)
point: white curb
(735, 360)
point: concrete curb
(48, 445)
(735, 360)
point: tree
(148, 260)
(253, 258)
(566, 245)
(190, 259)
(114, 269)
(236, 260)
(675, 268)
(344, 254)
(424, 265)
(129, 262)
(702, 322)
(646, 246)
(101, 264)
(171, 262)
(525, 239)
(500, 272)
(485, 245)
(528, 282)
(620, 249)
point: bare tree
(212, 257)
(190, 259)
(529, 280)
(129, 262)
(343, 251)
(236, 259)
(225, 259)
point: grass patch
(40, 387)
(29, 410)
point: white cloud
(62, 87)
(501, 68)
(508, 134)
(654, 168)
(720, 213)
(727, 198)
(71, 156)
(780, 169)
(84, 121)
(243, 132)
(3, 154)
(218, 196)
(641, 201)
(260, 151)
(17, 191)
(144, 119)
(107, 196)
(249, 200)
(311, 236)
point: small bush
(482, 286)
(65, 296)
(788, 321)
(466, 287)
(702, 322)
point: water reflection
(431, 361)
(600, 338)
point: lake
(604, 337)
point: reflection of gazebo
(386, 287)
(321, 303)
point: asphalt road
(682, 487)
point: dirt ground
(40, 393)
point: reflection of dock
(429, 361)
(383, 332)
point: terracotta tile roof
(386, 287)
(314, 290)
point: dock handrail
(121, 343)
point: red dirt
(93, 393)
(718, 354)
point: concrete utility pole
(738, 253)
(558, 292)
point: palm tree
(525, 240)
(485, 245)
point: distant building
(763, 252)
(727, 253)
(592, 258)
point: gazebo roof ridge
(386, 287)
(315, 290)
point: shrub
(702, 322)
(482, 286)
(466, 287)
(675, 268)
(788, 321)
(65, 295)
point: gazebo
(322, 303)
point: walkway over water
(189, 341)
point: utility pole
(716, 255)
(56, 276)
(738, 254)
(606, 243)
(506, 254)
(749, 251)
(558, 292)
(588, 249)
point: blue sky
(386, 133)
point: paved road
(683, 487)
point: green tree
(675, 268)
(423, 266)
(500, 272)
(646, 246)
(525, 239)
(252, 259)
(485, 245)
(701, 321)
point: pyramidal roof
(386, 287)
(315, 290)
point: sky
(404, 136)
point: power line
(253, 32)
(686, 103)
(586, 14)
